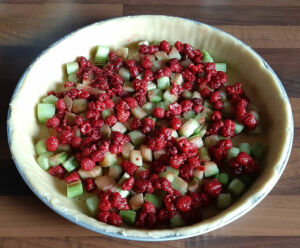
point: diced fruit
(155, 95)
(193, 186)
(79, 106)
(196, 94)
(109, 159)
(72, 67)
(206, 57)
(169, 175)
(124, 73)
(155, 200)
(174, 54)
(74, 189)
(187, 94)
(198, 174)
(126, 150)
(211, 140)
(105, 182)
(128, 216)
(73, 78)
(149, 107)
(172, 170)
(200, 117)
(136, 157)
(122, 52)
(169, 98)
(101, 56)
(45, 111)
(177, 221)
(50, 99)
(232, 153)
(256, 150)
(136, 137)
(211, 169)
(158, 64)
(124, 178)
(157, 154)
(177, 79)
(151, 86)
(146, 153)
(136, 201)
(71, 164)
(224, 200)
(105, 131)
(163, 83)
(246, 179)
(188, 128)
(127, 86)
(106, 113)
(196, 140)
(255, 114)
(223, 178)
(40, 147)
(123, 193)
(64, 148)
(238, 127)
(245, 147)
(58, 158)
(93, 173)
(174, 134)
(161, 55)
(189, 114)
(119, 127)
(138, 113)
(115, 171)
(43, 160)
(164, 105)
(221, 67)
(236, 187)
(203, 154)
(180, 185)
(208, 113)
(92, 204)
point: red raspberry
(115, 148)
(72, 177)
(79, 120)
(252, 168)
(153, 49)
(111, 120)
(117, 201)
(165, 46)
(186, 171)
(166, 185)
(186, 105)
(148, 75)
(184, 203)
(194, 162)
(188, 85)
(135, 124)
(144, 174)
(142, 186)
(86, 129)
(134, 71)
(169, 203)
(104, 205)
(130, 63)
(139, 85)
(243, 158)
(216, 116)
(205, 201)
(215, 96)
(60, 104)
(115, 219)
(141, 221)
(196, 199)
(250, 121)
(184, 145)
(151, 220)
(87, 164)
(109, 103)
(83, 94)
(235, 89)
(175, 123)
(144, 49)
(123, 116)
(176, 161)
(156, 144)
(218, 105)
(175, 66)
(148, 125)
(228, 130)
(205, 92)
(57, 171)
(175, 108)
(179, 46)
(52, 143)
(76, 141)
(98, 156)
(89, 184)
(129, 167)
(132, 103)
(159, 113)
(146, 62)
(53, 122)
(128, 184)
(163, 215)
(104, 216)
(213, 188)
(198, 108)
(148, 208)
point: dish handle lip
(150, 239)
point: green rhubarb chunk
(101, 56)
(221, 67)
(119, 127)
(127, 86)
(72, 67)
(45, 111)
(92, 204)
(124, 73)
(189, 114)
(245, 147)
(232, 153)
(211, 169)
(167, 174)
(71, 164)
(236, 187)
(238, 127)
(149, 107)
(128, 216)
(256, 150)
(206, 57)
(40, 147)
(106, 113)
(164, 105)
(197, 130)
(211, 140)
(198, 174)
(188, 128)
(115, 171)
(64, 148)
(177, 221)
(109, 159)
(200, 117)
(169, 97)
(155, 200)
(179, 184)
(224, 200)
(136, 137)
(138, 113)
(187, 94)
(123, 193)
(58, 158)
(124, 178)
(223, 178)
(73, 78)
(246, 179)
(172, 170)
(155, 95)
(196, 94)
(74, 189)
(43, 160)
(203, 154)
(163, 83)
(50, 99)
(151, 86)
(79, 106)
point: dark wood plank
(222, 15)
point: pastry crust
(260, 83)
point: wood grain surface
(271, 27)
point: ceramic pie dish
(44, 74)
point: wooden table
(271, 27)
